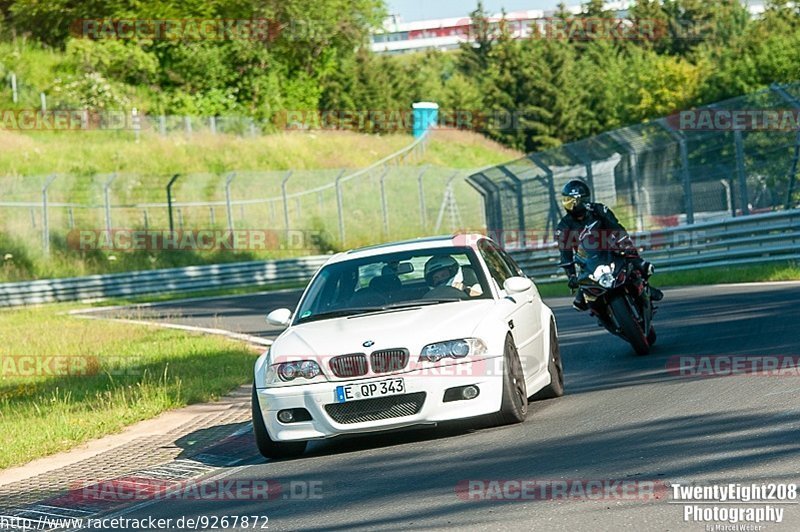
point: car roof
(457, 240)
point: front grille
(389, 360)
(376, 409)
(346, 366)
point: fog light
(461, 393)
(469, 392)
(285, 416)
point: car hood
(407, 328)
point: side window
(511, 263)
(499, 270)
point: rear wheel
(630, 327)
(514, 407)
(556, 386)
(266, 445)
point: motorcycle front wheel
(630, 327)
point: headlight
(291, 371)
(604, 275)
(453, 349)
(606, 280)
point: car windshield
(393, 281)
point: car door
(523, 310)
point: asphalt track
(624, 418)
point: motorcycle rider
(584, 215)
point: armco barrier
(754, 239)
(142, 283)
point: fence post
(228, 180)
(422, 213)
(169, 201)
(686, 177)
(162, 125)
(554, 215)
(107, 202)
(14, 95)
(687, 182)
(635, 181)
(340, 205)
(45, 218)
(187, 122)
(384, 205)
(520, 206)
(728, 196)
(793, 172)
(740, 171)
(285, 202)
(136, 122)
(43, 99)
(212, 122)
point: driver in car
(582, 215)
(446, 279)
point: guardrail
(150, 282)
(754, 239)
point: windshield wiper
(421, 302)
(339, 313)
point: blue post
(426, 115)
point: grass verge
(66, 380)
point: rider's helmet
(436, 267)
(574, 197)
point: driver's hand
(573, 282)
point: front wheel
(630, 327)
(514, 407)
(651, 336)
(268, 447)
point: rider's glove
(573, 282)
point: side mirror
(280, 318)
(517, 285)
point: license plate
(368, 390)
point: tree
(474, 57)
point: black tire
(652, 336)
(556, 370)
(630, 327)
(514, 407)
(266, 446)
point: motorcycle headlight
(606, 280)
(453, 349)
(289, 372)
(604, 275)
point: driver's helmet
(436, 267)
(574, 197)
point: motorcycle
(617, 294)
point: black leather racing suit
(602, 222)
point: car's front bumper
(314, 398)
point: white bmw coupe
(406, 334)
